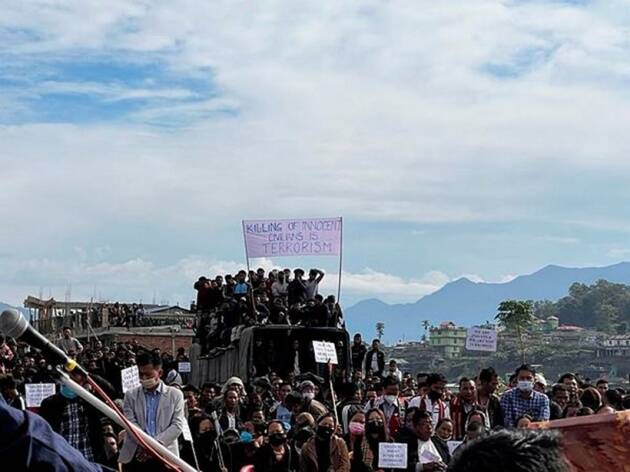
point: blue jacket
(27, 442)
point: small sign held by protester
(183, 367)
(186, 432)
(36, 393)
(392, 455)
(481, 339)
(325, 352)
(130, 378)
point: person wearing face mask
(390, 405)
(76, 420)
(204, 436)
(433, 401)
(276, 455)
(365, 438)
(523, 400)
(309, 404)
(155, 408)
(325, 451)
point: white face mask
(390, 398)
(309, 395)
(525, 385)
(149, 383)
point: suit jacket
(169, 424)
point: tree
(426, 324)
(516, 316)
(380, 329)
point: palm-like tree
(380, 329)
(518, 316)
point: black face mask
(207, 436)
(277, 439)
(324, 433)
(374, 427)
(434, 396)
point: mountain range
(469, 303)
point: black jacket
(380, 360)
(358, 354)
(52, 411)
(494, 411)
(264, 460)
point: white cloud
(558, 239)
(138, 279)
(380, 111)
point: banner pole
(248, 269)
(340, 261)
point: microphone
(13, 323)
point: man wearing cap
(540, 383)
(309, 404)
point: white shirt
(231, 420)
(312, 287)
(429, 449)
(279, 289)
(397, 374)
(433, 408)
(374, 365)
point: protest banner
(325, 352)
(301, 237)
(130, 378)
(36, 393)
(183, 367)
(392, 455)
(481, 339)
(297, 237)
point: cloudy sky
(474, 137)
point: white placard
(130, 378)
(183, 367)
(452, 446)
(186, 432)
(325, 352)
(35, 393)
(481, 339)
(392, 456)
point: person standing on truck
(242, 287)
(315, 276)
(296, 289)
(279, 289)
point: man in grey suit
(155, 408)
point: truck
(284, 349)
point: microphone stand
(111, 414)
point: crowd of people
(275, 424)
(227, 304)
